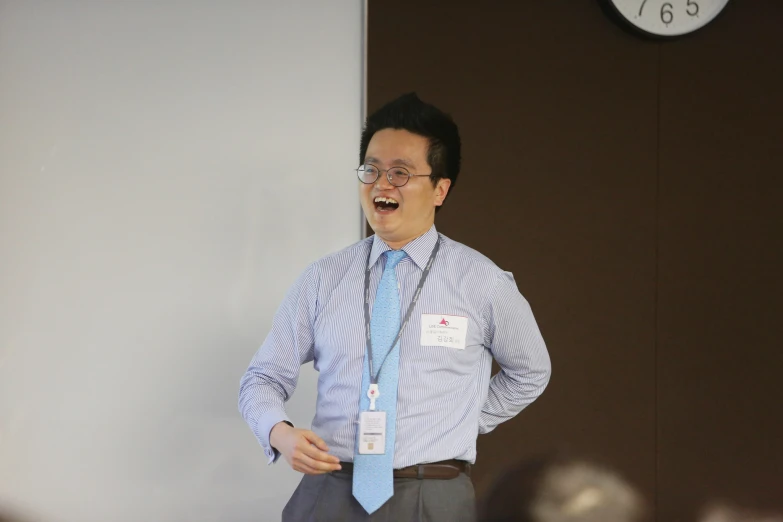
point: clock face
(668, 17)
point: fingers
(318, 450)
(315, 439)
(309, 455)
(311, 466)
(323, 460)
(307, 470)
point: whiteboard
(167, 170)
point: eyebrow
(398, 161)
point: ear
(441, 190)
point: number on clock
(667, 18)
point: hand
(304, 450)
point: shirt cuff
(265, 430)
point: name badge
(449, 331)
(372, 433)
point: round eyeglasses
(397, 176)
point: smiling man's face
(400, 214)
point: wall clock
(665, 18)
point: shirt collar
(418, 250)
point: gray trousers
(329, 498)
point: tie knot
(393, 257)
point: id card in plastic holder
(372, 433)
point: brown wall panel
(633, 187)
(557, 110)
(720, 354)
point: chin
(382, 227)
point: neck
(398, 244)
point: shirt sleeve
(271, 378)
(515, 341)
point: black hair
(409, 113)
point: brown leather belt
(443, 470)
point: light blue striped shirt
(445, 397)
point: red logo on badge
(444, 322)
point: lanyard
(425, 273)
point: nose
(383, 182)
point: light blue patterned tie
(373, 480)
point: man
(402, 328)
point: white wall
(167, 169)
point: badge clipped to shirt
(448, 331)
(372, 427)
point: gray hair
(583, 492)
(719, 512)
(556, 489)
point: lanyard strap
(425, 273)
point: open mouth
(385, 205)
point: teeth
(381, 199)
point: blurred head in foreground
(728, 513)
(551, 489)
